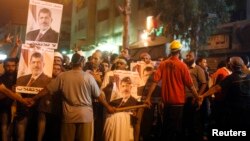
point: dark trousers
(205, 117)
(172, 123)
(151, 125)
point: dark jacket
(41, 81)
(49, 36)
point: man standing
(45, 33)
(96, 69)
(236, 88)
(191, 120)
(175, 76)
(50, 110)
(113, 131)
(8, 79)
(26, 116)
(77, 89)
(205, 107)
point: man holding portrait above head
(45, 33)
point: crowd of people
(79, 102)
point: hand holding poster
(42, 35)
(144, 70)
(125, 85)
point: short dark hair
(45, 10)
(77, 59)
(126, 80)
(36, 55)
(199, 60)
(194, 52)
(9, 60)
(113, 57)
(106, 61)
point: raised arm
(17, 45)
(7, 40)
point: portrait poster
(128, 76)
(144, 70)
(35, 69)
(43, 23)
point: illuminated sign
(218, 41)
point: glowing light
(64, 52)
(109, 45)
(149, 23)
(3, 56)
(144, 35)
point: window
(81, 24)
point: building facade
(98, 24)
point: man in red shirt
(175, 76)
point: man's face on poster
(120, 65)
(44, 20)
(146, 59)
(36, 65)
(125, 89)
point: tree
(192, 20)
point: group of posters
(37, 53)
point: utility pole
(126, 11)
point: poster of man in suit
(35, 69)
(134, 81)
(43, 24)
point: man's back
(174, 75)
(237, 89)
(77, 87)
